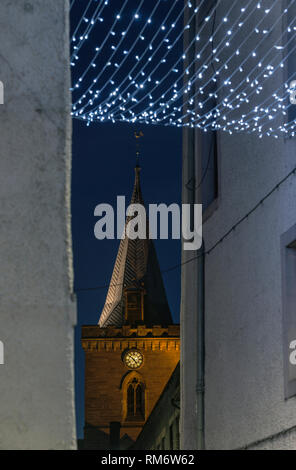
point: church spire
(137, 197)
(137, 194)
(136, 292)
(138, 137)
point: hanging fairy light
(130, 64)
(254, 85)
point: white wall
(244, 395)
(244, 338)
(37, 314)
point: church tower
(132, 352)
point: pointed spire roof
(136, 261)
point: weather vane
(138, 136)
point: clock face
(133, 359)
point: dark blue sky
(103, 168)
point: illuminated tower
(131, 354)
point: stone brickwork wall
(105, 372)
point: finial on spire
(138, 136)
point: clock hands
(133, 359)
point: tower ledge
(126, 331)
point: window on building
(130, 400)
(209, 168)
(289, 310)
(136, 401)
(139, 399)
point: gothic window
(130, 400)
(135, 401)
(139, 396)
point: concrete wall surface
(245, 399)
(37, 314)
(245, 403)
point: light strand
(243, 92)
(244, 61)
(81, 20)
(120, 65)
(87, 91)
(90, 25)
(143, 75)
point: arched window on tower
(139, 399)
(130, 400)
(135, 401)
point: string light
(140, 71)
(276, 107)
(175, 68)
(81, 20)
(247, 93)
(199, 72)
(98, 49)
(90, 25)
(126, 55)
(204, 116)
(149, 48)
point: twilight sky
(103, 168)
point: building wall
(37, 313)
(244, 382)
(244, 314)
(105, 372)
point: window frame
(213, 206)
(134, 383)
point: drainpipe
(193, 195)
(200, 383)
